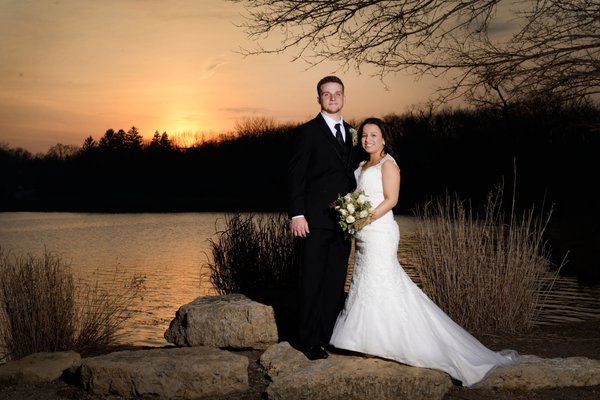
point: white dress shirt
(331, 123)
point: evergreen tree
(112, 139)
(89, 143)
(132, 139)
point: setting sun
(91, 66)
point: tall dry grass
(103, 312)
(254, 253)
(43, 307)
(485, 271)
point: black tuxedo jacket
(319, 172)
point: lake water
(171, 250)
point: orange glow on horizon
(162, 67)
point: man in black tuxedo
(321, 168)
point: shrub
(43, 308)
(253, 254)
(487, 272)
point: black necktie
(338, 134)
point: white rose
(363, 214)
(348, 197)
(343, 212)
(350, 208)
(361, 199)
(350, 219)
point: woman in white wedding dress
(386, 314)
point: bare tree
(62, 151)
(490, 50)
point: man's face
(332, 97)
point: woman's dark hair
(388, 147)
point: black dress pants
(323, 276)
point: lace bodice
(370, 180)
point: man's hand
(299, 227)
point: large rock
(347, 377)
(169, 373)
(229, 321)
(38, 367)
(352, 377)
(534, 373)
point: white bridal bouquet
(353, 210)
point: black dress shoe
(315, 353)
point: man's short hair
(328, 79)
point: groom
(321, 168)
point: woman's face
(372, 139)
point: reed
(254, 253)
(103, 311)
(489, 271)
(43, 307)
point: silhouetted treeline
(119, 173)
(554, 148)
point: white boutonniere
(354, 136)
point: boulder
(533, 373)
(38, 367)
(347, 377)
(361, 377)
(230, 321)
(167, 373)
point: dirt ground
(566, 340)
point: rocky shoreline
(559, 362)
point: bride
(386, 314)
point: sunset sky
(70, 69)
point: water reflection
(171, 251)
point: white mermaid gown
(387, 315)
